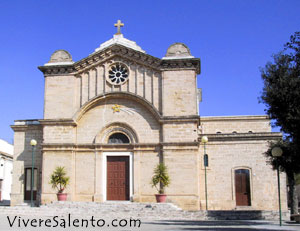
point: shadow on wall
(26, 157)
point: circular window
(118, 74)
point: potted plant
(161, 178)
(60, 180)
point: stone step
(153, 211)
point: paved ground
(162, 225)
(125, 217)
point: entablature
(138, 57)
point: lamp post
(277, 152)
(204, 140)
(33, 144)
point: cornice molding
(234, 118)
(173, 64)
(242, 136)
(132, 146)
(56, 70)
(118, 50)
(54, 122)
(179, 119)
(18, 128)
(72, 122)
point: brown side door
(117, 178)
(27, 190)
(242, 187)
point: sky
(233, 39)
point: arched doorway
(118, 173)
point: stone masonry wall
(23, 159)
(180, 132)
(239, 124)
(94, 122)
(61, 97)
(71, 92)
(224, 158)
(179, 93)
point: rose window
(118, 74)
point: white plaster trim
(26, 122)
(104, 173)
(119, 39)
(58, 63)
(179, 57)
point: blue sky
(232, 38)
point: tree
(289, 163)
(281, 95)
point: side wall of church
(224, 158)
(23, 159)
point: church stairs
(144, 211)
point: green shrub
(161, 178)
(59, 179)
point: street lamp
(33, 144)
(204, 140)
(277, 152)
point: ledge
(233, 118)
(53, 122)
(119, 50)
(242, 136)
(116, 146)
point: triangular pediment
(117, 50)
(104, 55)
(125, 52)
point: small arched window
(118, 138)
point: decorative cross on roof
(119, 25)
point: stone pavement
(122, 216)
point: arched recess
(124, 95)
(110, 129)
(242, 185)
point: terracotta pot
(62, 196)
(161, 198)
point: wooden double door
(117, 178)
(242, 187)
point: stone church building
(111, 117)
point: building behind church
(6, 168)
(111, 117)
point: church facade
(111, 117)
